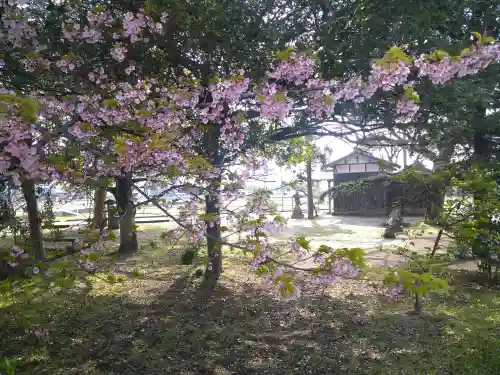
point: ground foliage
(165, 321)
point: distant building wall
(377, 199)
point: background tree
(302, 155)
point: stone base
(297, 213)
(388, 234)
(113, 223)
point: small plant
(189, 254)
(6, 367)
(419, 285)
(422, 275)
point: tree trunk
(128, 235)
(480, 158)
(29, 192)
(216, 155)
(329, 197)
(99, 205)
(214, 246)
(417, 305)
(389, 202)
(436, 243)
(310, 199)
(435, 201)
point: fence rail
(151, 214)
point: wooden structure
(412, 196)
(376, 199)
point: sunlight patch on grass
(494, 318)
(37, 356)
(448, 311)
(103, 288)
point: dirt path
(363, 232)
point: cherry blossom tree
(119, 118)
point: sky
(277, 175)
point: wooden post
(113, 217)
(329, 198)
(310, 199)
(99, 205)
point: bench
(74, 243)
(70, 244)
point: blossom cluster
(470, 62)
(331, 272)
(16, 253)
(298, 69)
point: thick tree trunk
(214, 246)
(214, 153)
(99, 205)
(128, 234)
(29, 192)
(480, 157)
(310, 199)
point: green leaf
(7, 366)
(394, 54)
(303, 243)
(438, 55)
(412, 95)
(93, 256)
(8, 98)
(29, 109)
(99, 8)
(324, 249)
(488, 40)
(284, 54)
(136, 274)
(110, 103)
(262, 270)
(477, 35)
(483, 39)
(33, 54)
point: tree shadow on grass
(183, 328)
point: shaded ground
(166, 322)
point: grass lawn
(166, 322)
